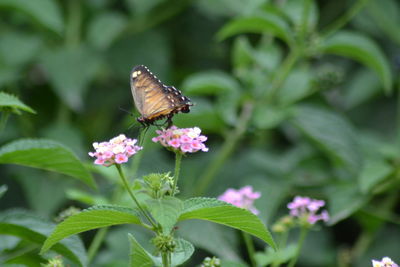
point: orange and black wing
(153, 99)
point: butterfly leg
(169, 121)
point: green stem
(344, 19)
(96, 243)
(165, 259)
(281, 75)
(227, 148)
(161, 14)
(138, 157)
(283, 240)
(367, 236)
(303, 234)
(72, 31)
(304, 21)
(127, 187)
(101, 234)
(250, 248)
(178, 159)
(282, 244)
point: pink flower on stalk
(242, 198)
(385, 262)
(184, 140)
(116, 151)
(305, 207)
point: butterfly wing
(153, 99)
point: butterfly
(153, 99)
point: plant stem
(178, 159)
(127, 187)
(344, 19)
(96, 243)
(72, 31)
(304, 21)
(250, 248)
(227, 148)
(165, 259)
(281, 75)
(303, 234)
(138, 157)
(101, 234)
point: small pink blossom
(121, 158)
(305, 207)
(184, 140)
(243, 198)
(116, 151)
(385, 262)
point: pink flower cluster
(115, 151)
(385, 262)
(185, 140)
(242, 198)
(308, 207)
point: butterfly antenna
(127, 111)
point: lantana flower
(183, 140)
(385, 262)
(242, 198)
(116, 151)
(307, 208)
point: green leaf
(332, 133)
(142, 7)
(385, 15)
(182, 253)
(275, 257)
(47, 155)
(220, 84)
(45, 193)
(139, 256)
(294, 10)
(166, 211)
(45, 12)
(363, 86)
(297, 86)
(257, 24)
(8, 75)
(373, 172)
(85, 197)
(217, 211)
(359, 47)
(105, 28)
(344, 199)
(226, 263)
(89, 219)
(18, 48)
(268, 117)
(70, 71)
(242, 52)
(26, 226)
(10, 101)
(214, 238)
(30, 259)
(204, 116)
(3, 190)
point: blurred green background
(297, 97)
